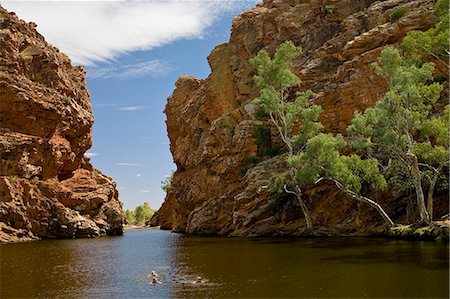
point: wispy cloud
(131, 108)
(144, 191)
(106, 105)
(139, 175)
(119, 107)
(111, 28)
(90, 155)
(151, 68)
(128, 164)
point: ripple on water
(111, 267)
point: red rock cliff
(210, 121)
(47, 186)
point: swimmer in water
(154, 274)
(198, 280)
(155, 281)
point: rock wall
(48, 189)
(210, 121)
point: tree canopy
(401, 126)
(140, 215)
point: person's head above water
(154, 273)
(198, 280)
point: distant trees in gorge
(139, 215)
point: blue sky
(134, 51)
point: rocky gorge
(48, 188)
(222, 182)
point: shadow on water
(341, 267)
(111, 267)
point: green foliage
(432, 147)
(329, 9)
(249, 162)
(437, 127)
(129, 216)
(401, 126)
(408, 232)
(275, 80)
(143, 213)
(140, 215)
(166, 185)
(397, 177)
(322, 158)
(398, 13)
(431, 154)
(264, 142)
(309, 115)
(434, 42)
(261, 114)
(392, 123)
(277, 182)
(274, 74)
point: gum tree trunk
(430, 197)
(304, 208)
(417, 182)
(433, 181)
(361, 198)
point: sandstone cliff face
(47, 186)
(210, 121)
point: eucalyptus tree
(312, 155)
(418, 45)
(393, 128)
(433, 147)
(322, 160)
(276, 82)
(433, 151)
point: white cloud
(144, 191)
(95, 31)
(107, 105)
(152, 68)
(90, 155)
(131, 108)
(128, 164)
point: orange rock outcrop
(210, 122)
(48, 188)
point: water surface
(118, 267)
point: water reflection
(119, 267)
(314, 268)
(32, 271)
